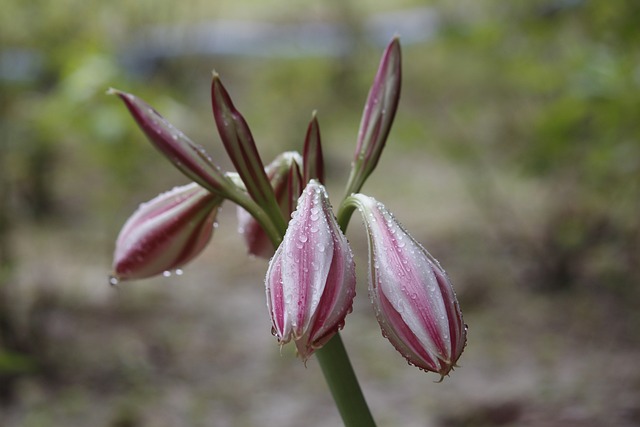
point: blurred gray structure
(272, 40)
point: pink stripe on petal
(415, 303)
(403, 338)
(165, 233)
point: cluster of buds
(310, 282)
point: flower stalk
(310, 282)
(343, 384)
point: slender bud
(377, 117)
(241, 148)
(190, 158)
(165, 233)
(284, 176)
(413, 298)
(311, 280)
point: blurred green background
(515, 159)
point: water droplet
(114, 281)
(179, 272)
(303, 238)
(166, 273)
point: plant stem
(343, 384)
(336, 366)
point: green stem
(343, 384)
(337, 368)
(264, 219)
(344, 213)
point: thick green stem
(337, 368)
(343, 384)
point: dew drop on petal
(166, 273)
(179, 272)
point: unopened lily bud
(413, 298)
(377, 117)
(285, 178)
(165, 233)
(190, 158)
(311, 280)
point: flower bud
(190, 158)
(311, 280)
(165, 233)
(413, 298)
(377, 117)
(284, 176)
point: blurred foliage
(550, 91)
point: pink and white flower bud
(413, 298)
(311, 279)
(285, 178)
(165, 233)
